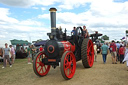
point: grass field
(100, 74)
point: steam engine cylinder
(55, 49)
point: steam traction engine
(64, 50)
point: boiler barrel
(55, 49)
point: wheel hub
(71, 64)
(90, 53)
(41, 64)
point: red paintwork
(40, 67)
(41, 49)
(68, 46)
(69, 65)
(90, 53)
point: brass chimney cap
(53, 9)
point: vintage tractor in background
(95, 39)
(64, 50)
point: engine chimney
(53, 21)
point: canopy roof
(94, 34)
(41, 43)
(19, 42)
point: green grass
(16, 73)
(22, 73)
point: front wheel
(39, 67)
(68, 65)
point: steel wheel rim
(41, 68)
(69, 65)
(90, 53)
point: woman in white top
(95, 51)
(126, 56)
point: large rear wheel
(87, 53)
(39, 67)
(68, 65)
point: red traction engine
(62, 50)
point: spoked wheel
(68, 65)
(87, 53)
(39, 67)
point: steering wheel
(78, 36)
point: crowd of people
(7, 52)
(31, 52)
(118, 51)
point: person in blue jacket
(104, 52)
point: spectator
(113, 49)
(22, 49)
(126, 56)
(122, 43)
(41, 48)
(33, 51)
(121, 53)
(6, 51)
(109, 46)
(1, 52)
(95, 51)
(29, 54)
(85, 31)
(118, 46)
(104, 52)
(73, 31)
(26, 50)
(12, 53)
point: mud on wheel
(40, 68)
(68, 65)
(87, 53)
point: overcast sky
(30, 19)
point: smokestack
(53, 20)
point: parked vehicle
(64, 50)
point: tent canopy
(19, 42)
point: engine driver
(73, 31)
